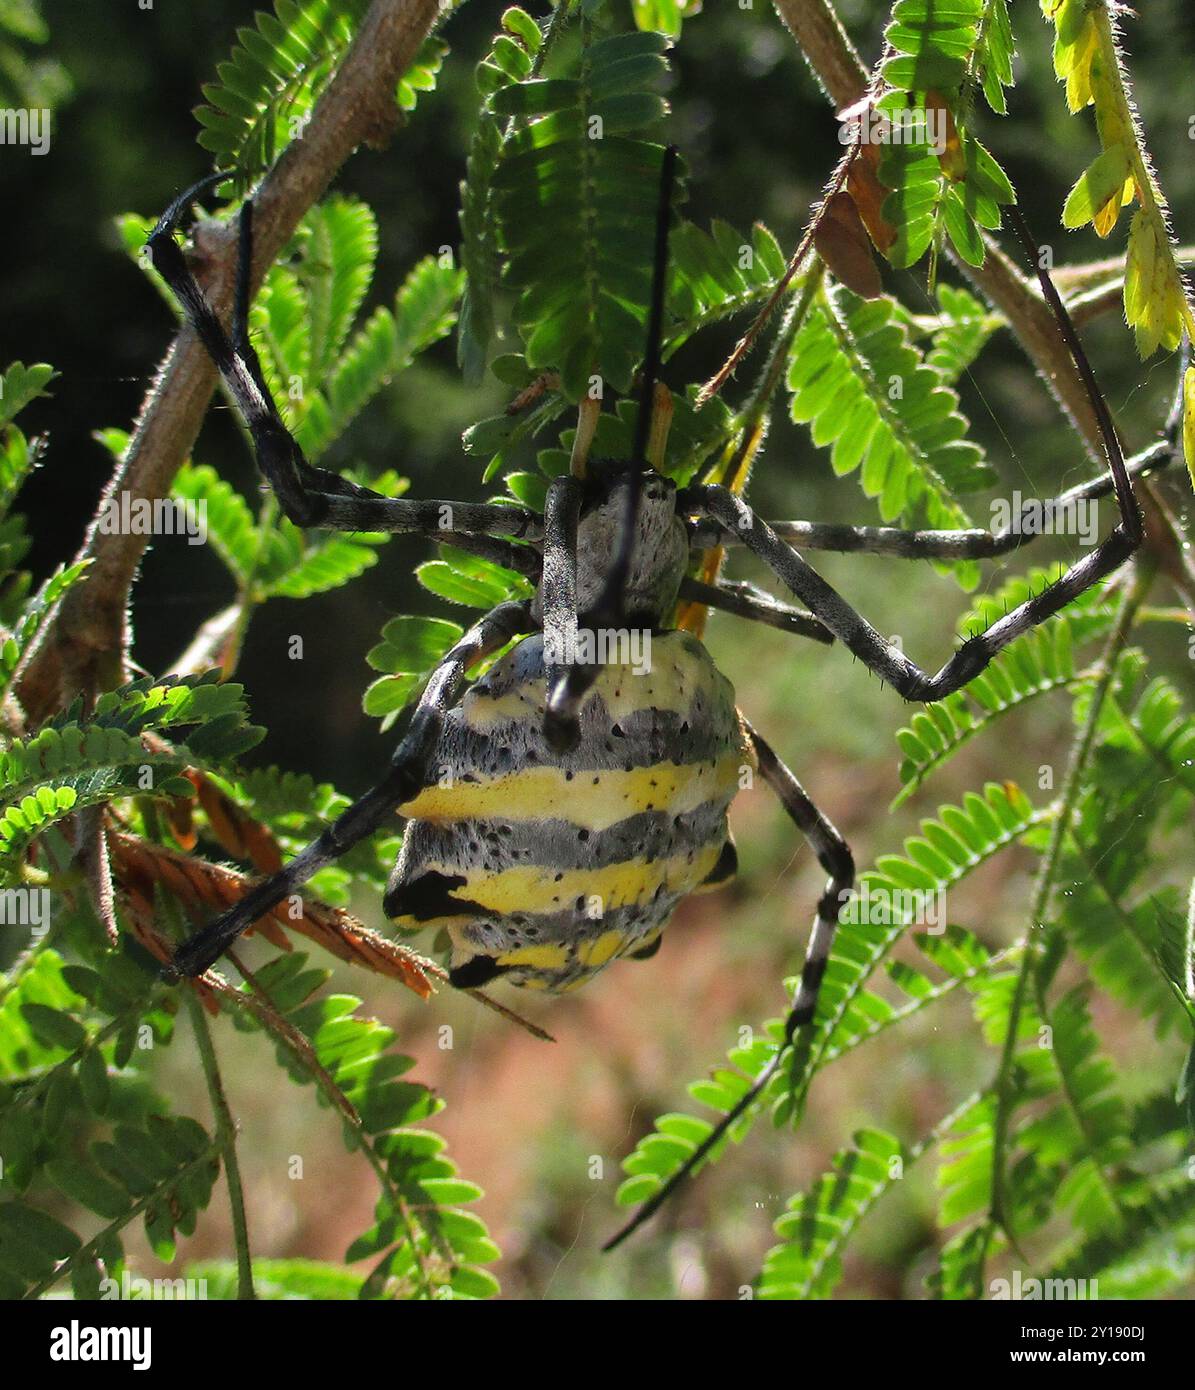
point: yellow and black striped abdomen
(543, 866)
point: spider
(586, 799)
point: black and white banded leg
(309, 496)
(757, 605)
(875, 651)
(834, 855)
(406, 776)
(972, 544)
(738, 522)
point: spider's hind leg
(404, 778)
(886, 659)
(834, 855)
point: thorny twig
(85, 645)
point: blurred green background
(524, 1119)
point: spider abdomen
(545, 866)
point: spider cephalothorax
(659, 552)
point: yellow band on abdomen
(592, 800)
(532, 888)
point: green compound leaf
(574, 196)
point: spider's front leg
(405, 777)
(738, 521)
(974, 544)
(858, 635)
(311, 496)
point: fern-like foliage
(76, 762)
(944, 182)
(960, 336)
(1149, 1255)
(574, 199)
(307, 310)
(818, 1223)
(715, 274)
(513, 58)
(409, 649)
(70, 1039)
(888, 413)
(422, 1243)
(23, 612)
(1086, 1130)
(1129, 936)
(664, 16)
(18, 386)
(268, 87)
(1053, 1152)
(69, 1034)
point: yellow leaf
(1189, 421)
(1076, 45)
(1105, 217)
(1153, 295)
(1096, 196)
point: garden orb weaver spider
(586, 800)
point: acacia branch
(840, 72)
(84, 646)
